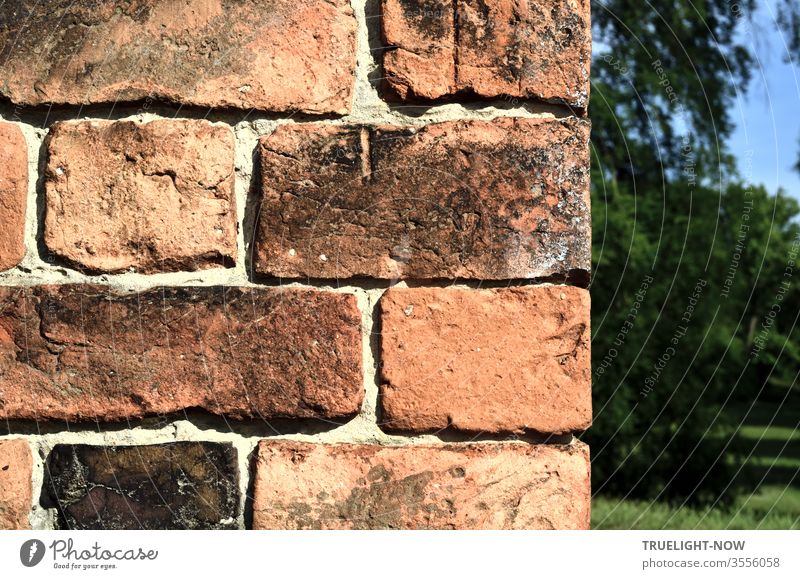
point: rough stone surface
(13, 194)
(180, 485)
(500, 199)
(420, 60)
(511, 359)
(78, 352)
(277, 55)
(469, 486)
(15, 484)
(151, 197)
(517, 48)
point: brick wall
(304, 264)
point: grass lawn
(771, 445)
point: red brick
(277, 55)
(16, 466)
(420, 36)
(500, 199)
(78, 352)
(151, 197)
(469, 486)
(516, 48)
(13, 194)
(498, 360)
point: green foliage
(769, 464)
(692, 306)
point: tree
(689, 259)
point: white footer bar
(401, 554)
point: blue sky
(767, 137)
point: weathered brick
(78, 352)
(469, 486)
(498, 360)
(278, 55)
(420, 35)
(500, 199)
(15, 484)
(13, 194)
(151, 197)
(179, 485)
(517, 48)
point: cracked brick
(77, 353)
(501, 199)
(531, 49)
(499, 360)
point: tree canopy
(695, 285)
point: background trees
(713, 326)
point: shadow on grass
(768, 482)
